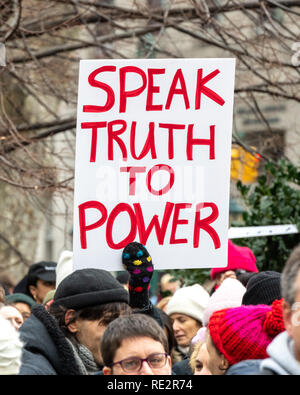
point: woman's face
(24, 309)
(216, 362)
(201, 368)
(185, 328)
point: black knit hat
(89, 287)
(263, 288)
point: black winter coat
(183, 368)
(46, 350)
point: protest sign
(153, 147)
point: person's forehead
(138, 347)
(202, 353)
(176, 316)
(10, 312)
(22, 305)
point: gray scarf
(84, 359)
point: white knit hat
(64, 266)
(10, 348)
(191, 301)
(228, 295)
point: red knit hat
(245, 332)
(238, 258)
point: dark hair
(289, 276)
(31, 281)
(105, 313)
(244, 277)
(167, 321)
(126, 327)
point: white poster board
(153, 148)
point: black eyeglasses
(155, 361)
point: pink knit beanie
(245, 332)
(238, 258)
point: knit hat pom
(274, 320)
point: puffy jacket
(282, 360)
(183, 367)
(250, 367)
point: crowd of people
(61, 321)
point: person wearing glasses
(135, 345)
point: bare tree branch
(15, 250)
